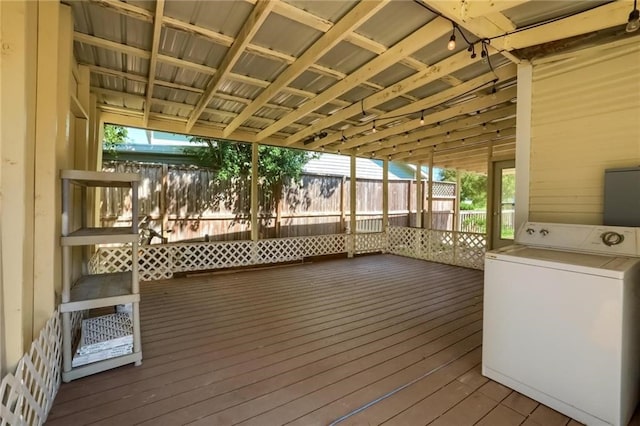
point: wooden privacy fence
(185, 203)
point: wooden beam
(477, 104)
(155, 45)
(253, 23)
(111, 45)
(432, 73)
(126, 9)
(599, 18)
(503, 73)
(463, 136)
(431, 31)
(359, 14)
(302, 16)
(415, 140)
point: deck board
(372, 340)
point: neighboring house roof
(340, 165)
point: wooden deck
(372, 340)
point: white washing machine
(562, 319)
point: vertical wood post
(353, 206)
(385, 195)
(456, 206)
(254, 191)
(419, 197)
(430, 194)
(164, 179)
(491, 211)
(343, 225)
(409, 203)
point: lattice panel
(371, 242)
(470, 250)
(441, 246)
(444, 190)
(110, 259)
(26, 396)
(404, 241)
(205, 256)
(319, 245)
(280, 250)
(155, 262)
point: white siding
(585, 119)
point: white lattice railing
(26, 396)
(454, 248)
(163, 260)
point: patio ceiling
(371, 78)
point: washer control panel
(624, 241)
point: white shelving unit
(100, 290)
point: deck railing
(161, 261)
(27, 395)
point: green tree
(473, 187)
(112, 136)
(232, 162)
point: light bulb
(395, 148)
(422, 118)
(374, 127)
(634, 21)
(452, 42)
(448, 135)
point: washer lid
(593, 264)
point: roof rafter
(356, 16)
(477, 104)
(422, 36)
(462, 136)
(453, 63)
(415, 140)
(153, 61)
(253, 23)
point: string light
(448, 135)
(422, 118)
(634, 19)
(374, 127)
(395, 148)
(452, 40)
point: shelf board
(96, 291)
(99, 366)
(86, 236)
(100, 179)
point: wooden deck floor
(372, 340)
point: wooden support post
(409, 203)
(385, 195)
(343, 225)
(456, 206)
(430, 194)
(255, 153)
(353, 206)
(490, 196)
(163, 200)
(419, 197)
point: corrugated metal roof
(395, 21)
(345, 57)
(294, 41)
(194, 38)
